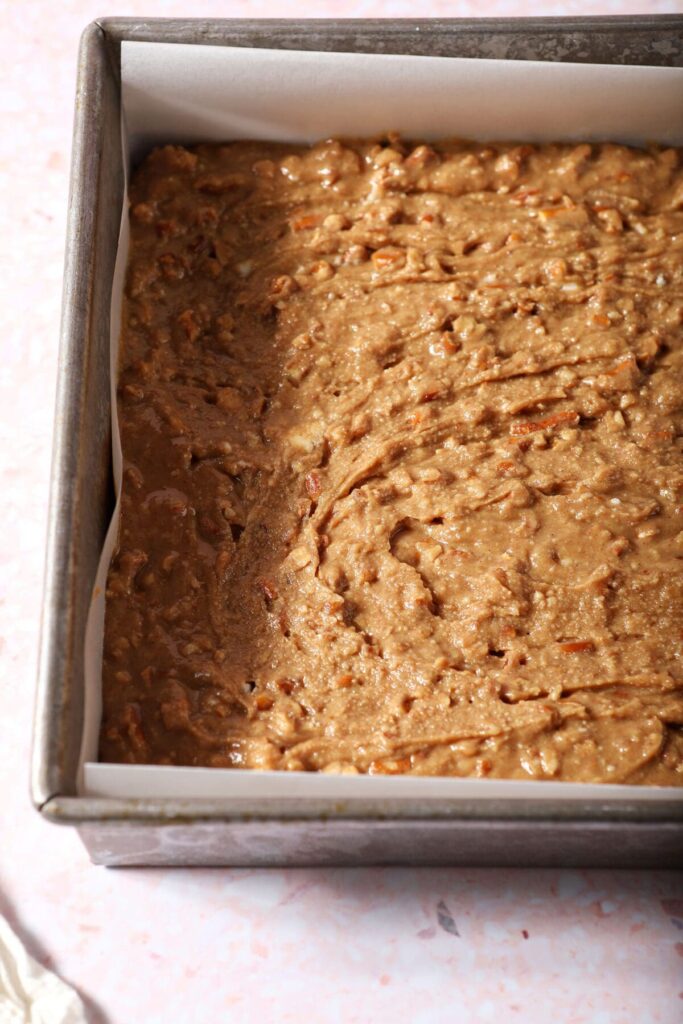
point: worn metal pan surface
(291, 831)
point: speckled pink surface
(200, 946)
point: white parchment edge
(187, 93)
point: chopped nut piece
(611, 221)
(313, 487)
(336, 222)
(269, 588)
(577, 646)
(389, 258)
(298, 558)
(429, 474)
(393, 766)
(421, 156)
(282, 287)
(304, 223)
(264, 168)
(322, 270)
(218, 183)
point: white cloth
(29, 994)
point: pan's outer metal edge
(640, 39)
(58, 661)
(85, 313)
(80, 486)
(488, 843)
(68, 809)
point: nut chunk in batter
(401, 428)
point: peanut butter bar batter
(401, 428)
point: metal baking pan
(292, 831)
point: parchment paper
(181, 93)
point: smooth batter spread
(402, 479)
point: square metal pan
(292, 831)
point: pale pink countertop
(204, 946)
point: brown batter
(401, 429)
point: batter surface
(402, 478)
